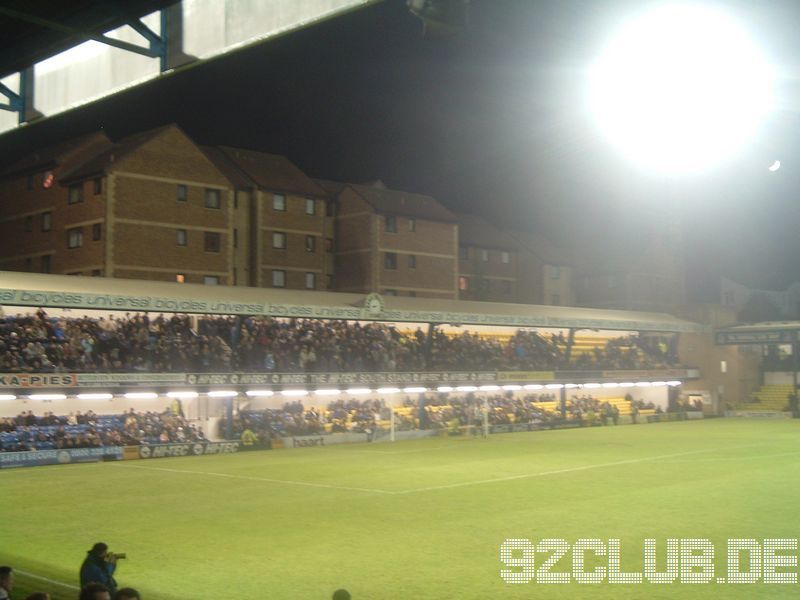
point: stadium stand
(179, 343)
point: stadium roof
(32, 289)
(33, 31)
(268, 171)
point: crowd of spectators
(179, 343)
(88, 430)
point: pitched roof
(227, 167)
(272, 171)
(404, 203)
(477, 231)
(543, 248)
(99, 162)
(333, 188)
(57, 154)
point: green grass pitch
(421, 519)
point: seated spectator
(127, 594)
(94, 591)
(38, 596)
(6, 582)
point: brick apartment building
(34, 208)
(156, 206)
(488, 262)
(280, 219)
(394, 243)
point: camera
(116, 555)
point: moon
(775, 166)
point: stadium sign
(58, 457)
(191, 449)
(339, 378)
(723, 338)
(37, 380)
(40, 298)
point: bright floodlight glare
(680, 88)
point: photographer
(99, 567)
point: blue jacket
(96, 570)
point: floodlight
(294, 393)
(7, 397)
(415, 390)
(512, 387)
(680, 87)
(141, 395)
(95, 396)
(259, 393)
(183, 394)
(223, 394)
(47, 397)
(358, 391)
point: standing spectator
(6, 582)
(99, 567)
(127, 594)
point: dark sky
(491, 121)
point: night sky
(491, 121)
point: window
(97, 273)
(311, 281)
(505, 258)
(485, 285)
(210, 280)
(213, 198)
(311, 243)
(328, 244)
(555, 300)
(412, 224)
(181, 237)
(484, 255)
(46, 263)
(279, 240)
(75, 237)
(97, 232)
(412, 261)
(30, 182)
(311, 206)
(235, 237)
(328, 282)
(29, 223)
(180, 278)
(278, 202)
(390, 260)
(75, 193)
(390, 292)
(278, 278)
(211, 241)
(463, 284)
(412, 294)
(235, 276)
(182, 193)
(28, 263)
(729, 298)
(97, 186)
(463, 253)
(330, 208)
(555, 272)
(505, 287)
(391, 224)
(47, 221)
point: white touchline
(555, 472)
(266, 479)
(47, 579)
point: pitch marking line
(429, 488)
(554, 472)
(267, 479)
(47, 579)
